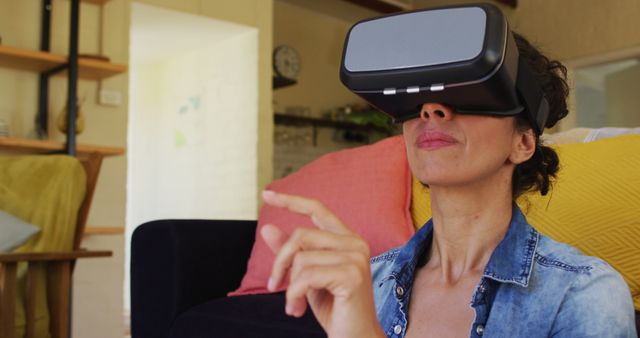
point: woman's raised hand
(328, 269)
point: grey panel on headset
(400, 33)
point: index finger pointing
(319, 214)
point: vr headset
(461, 56)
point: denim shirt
(532, 286)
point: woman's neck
(468, 224)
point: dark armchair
(181, 272)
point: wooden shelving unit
(29, 60)
(47, 64)
(31, 146)
(103, 230)
(279, 82)
(292, 120)
(96, 2)
(41, 62)
(315, 123)
(96, 69)
(73, 66)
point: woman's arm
(328, 270)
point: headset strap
(532, 97)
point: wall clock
(286, 62)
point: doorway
(192, 136)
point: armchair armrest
(58, 275)
(176, 264)
(16, 257)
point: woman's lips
(433, 139)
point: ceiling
(158, 33)
(356, 10)
(391, 6)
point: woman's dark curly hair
(539, 172)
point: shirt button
(399, 291)
(397, 329)
(482, 288)
(480, 330)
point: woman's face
(447, 149)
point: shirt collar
(511, 261)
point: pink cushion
(367, 187)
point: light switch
(110, 98)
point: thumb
(273, 236)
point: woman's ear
(524, 146)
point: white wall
(193, 118)
(258, 14)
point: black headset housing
(462, 56)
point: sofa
(207, 278)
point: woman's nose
(435, 111)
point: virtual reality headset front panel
(461, 56)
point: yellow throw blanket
(594, 206)
(47, 191)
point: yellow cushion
(594, 205)
(420, 203)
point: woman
(477, 268)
